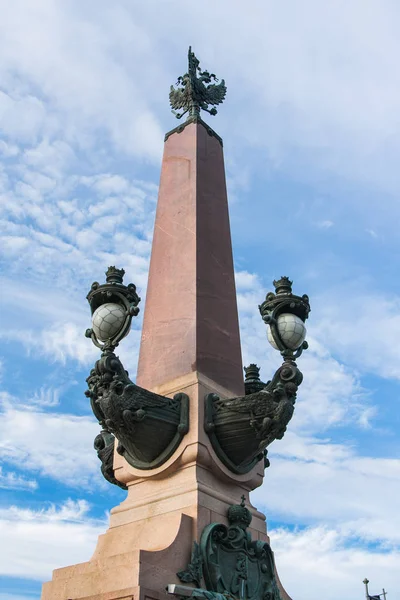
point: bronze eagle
(197, 90)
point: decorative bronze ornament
(197, 91)
(118, 303)
(230, 563)
(240, 429)
(252, 381)
(148, 427)
(104, 445)
(275, 308)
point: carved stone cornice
(194, 119)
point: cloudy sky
(311, 129)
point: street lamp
(147, 426)
(285, 314)
(376, 596)
(241, 429)
(150, 427)
(113, 305)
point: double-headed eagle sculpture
(196, 91)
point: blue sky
(311, 138)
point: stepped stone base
(132, 574)
(151, 532)
(129, 574)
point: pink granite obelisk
(190, 320)
(190, 344)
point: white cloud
(12, 481)
(50, 157)
(322, 562)
(330, 394)
(325, 224)
(55, 445)
(246, 281)
(314, 481)
(7, 149)
(45, 396)
(337, 107)
(370, 321)
(54, 244)
(31, 546)
(72, 510)
(21, 118)
(88, 86)
(54, 233)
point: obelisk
(190, 320)
(190, 338)
(190, 351)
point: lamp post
(376, 596)
(260, 417)
(366, 582)
(148, 427)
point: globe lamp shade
(107, 320)
(291, 329)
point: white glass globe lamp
(291, 329)
(108, 320)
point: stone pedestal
(151, 533)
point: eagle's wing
(258, 404)
(136, 396)
(216, 93)
(177, 98)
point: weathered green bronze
(231, 563)
(284, 301)
(197, 91)
(148, 427)
(113, 291)
(104, 445)
(184, 591)
(252, 381)
(194, 571)
(240, 429)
